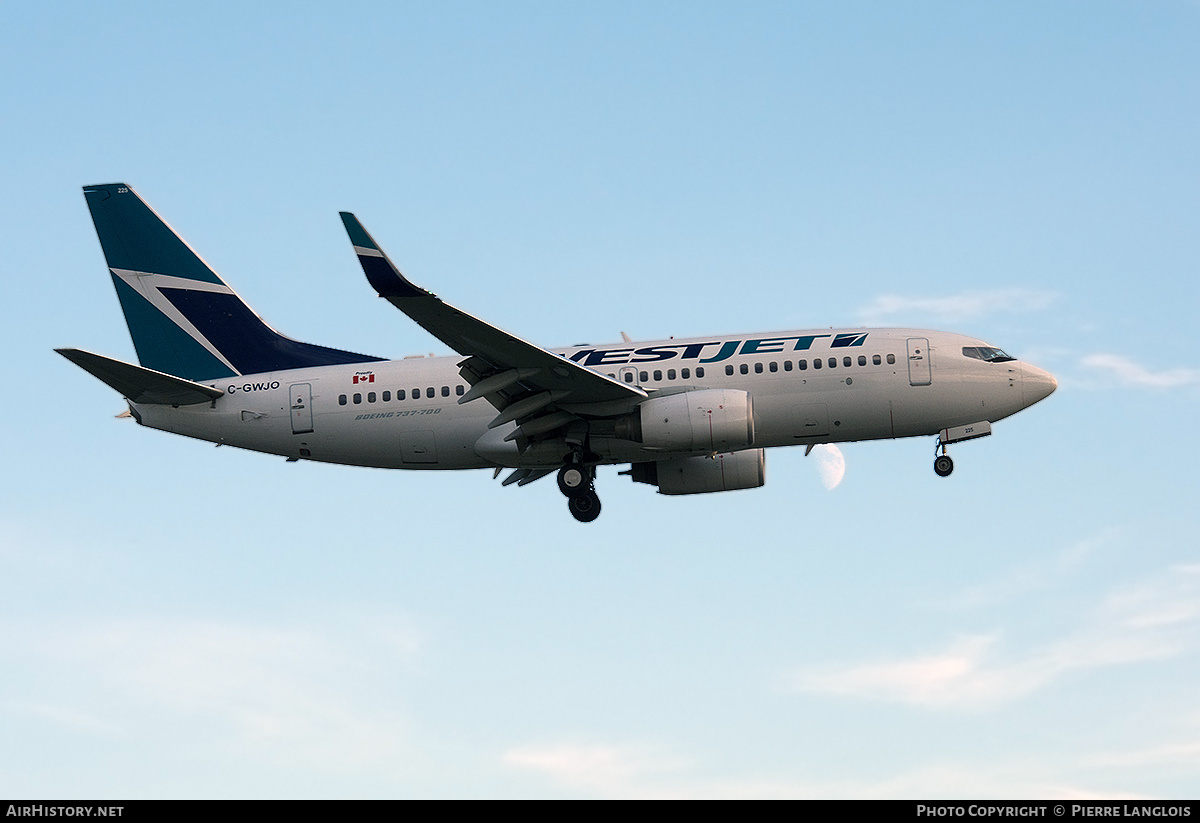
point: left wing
(542, 391)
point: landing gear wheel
(943, 465)
(585, 507)
(573, 480)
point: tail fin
(183, 319)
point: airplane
(689, 415)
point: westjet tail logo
(723, 351)
(364, 377)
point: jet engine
(698, 475)
(709, 420)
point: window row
(401, 394)
(431, 392)
(684, 374)
(817, 363)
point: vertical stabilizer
(184, 320)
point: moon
(830, 464)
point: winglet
(381, 272)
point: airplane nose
(1036, 384)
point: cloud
(958, 674)
(955, 307)
(643, 772)
(1030, 576)
(608, 770)
(286, 696)
(63, 716)
(1174, 754)
(1156, 620)
(1129, 373)
(646, 772)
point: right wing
(542, 391)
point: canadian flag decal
(364, 377)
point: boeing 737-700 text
(689, 415)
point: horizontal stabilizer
(141, 385)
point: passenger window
(846, 362)
(787, 365)
(758, 368)
(400, 394)
(833, 362)
(387, 397)
(891, 359)
(658, 374)
(430, 391)
(700, 372)
(370, 397)
(645, 376)
(803, 365)
(686, 374)
(744, 369)
(341, 400)
(728, 370)
(416, 394)
(876, 359)
(628, 377)
(357, 399)
(816, 362)
(670, 374)
(458, 390)
(773, 366)
(862, 360)
(445, 391)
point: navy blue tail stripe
(248, 343)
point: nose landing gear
(942, 464)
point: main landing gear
(577, 481)
(942, 464)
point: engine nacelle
(711, 420)
(698, 475)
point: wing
(542, 391)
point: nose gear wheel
(942, 464)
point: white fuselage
(404, 414)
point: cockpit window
(991, 355)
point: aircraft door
(629, 375)
(301, 402)
(919, 373)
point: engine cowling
(699, 475)
(711, 420)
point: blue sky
(184, 621)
